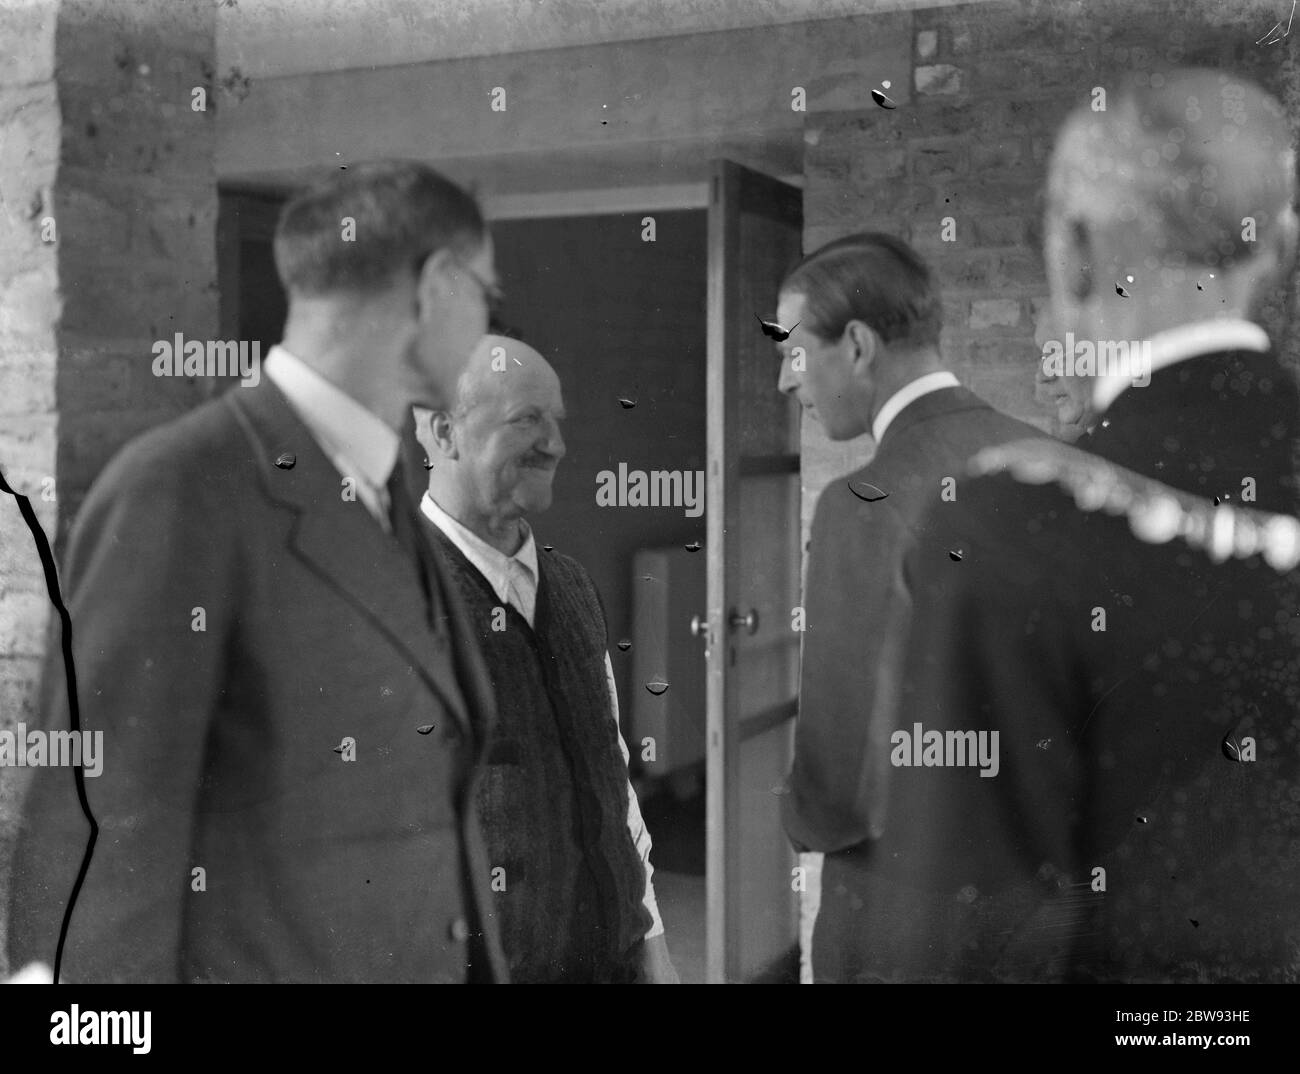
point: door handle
(700, 626)
(749, 622)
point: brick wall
(990, 83)
(98, 137)
(137, 220)
(29, 134)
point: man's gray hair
(1185, 156)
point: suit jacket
(240, 633)
(855, 597)
(1125, 835)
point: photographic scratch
(882, 98)
(1268, 38)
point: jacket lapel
(348, 547)
(454, 620)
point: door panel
(755, 227)
(667, 590)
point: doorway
(618, 306)
(628, 308)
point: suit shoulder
(944, 442)
(870, 494)
(922, 466)
(1156, 513)
(1004, 428)
(189, 449)
(968, 431)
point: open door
(752, 650)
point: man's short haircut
(361, 229)
(870, 277)
(1185, 155)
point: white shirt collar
(343, 427)
(492, 564)
(1186, 341)
(910, 393)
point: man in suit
(562, 825)
(863, 356)
(290, 696)
(1119, 634)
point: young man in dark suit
(291, 701)
(863, 356)
(1120, 630)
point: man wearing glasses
(292, 705)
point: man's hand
(656, 966)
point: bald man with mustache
(571, 873)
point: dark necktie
(406, 530)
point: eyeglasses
(492, 293)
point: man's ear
(434, 280)
(435, 431)
(1277, 257)
(442, 430)
(863, 346)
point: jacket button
(459, 930)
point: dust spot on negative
(864, 490)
